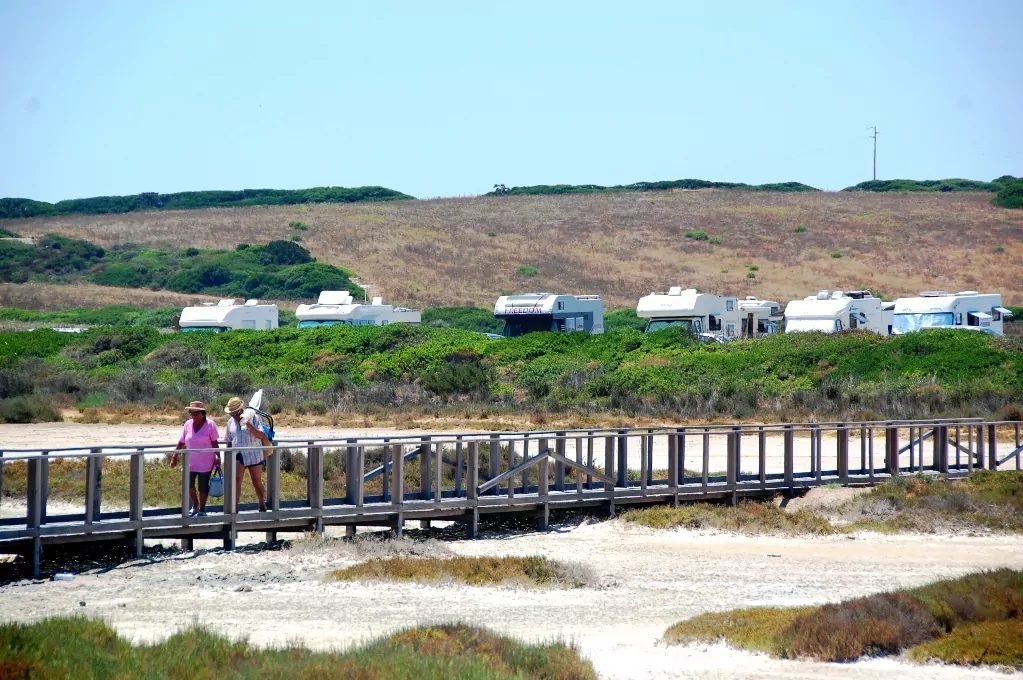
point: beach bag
(217, 483)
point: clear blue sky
(447, 98)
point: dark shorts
(204, 480)
(239, 459)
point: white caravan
(536, 312)
(338, 308)
(228, 315)
(759, 317)
(832, 312)
(968, 310)
(697, 312)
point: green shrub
(999, 249)
(1010, 196)
(491, 233)
(750, 275)
(715, 240)
(527, 271)
(558, 189)
(837, 254)
(465, 318)
(800, 229)
(296, 237)
(300, 226)
(27, 409)
(697, 235)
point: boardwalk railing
(386, 481)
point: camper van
(338, 308)
(228, 315)
(968, 310)
(697, 312)
(831, 312)
(536, 312)
(759, 317)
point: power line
(874, 137)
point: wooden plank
(184, 459)
(511, 473)
(992, 447)
(544, 470)
(438, 492)
(510, 466)
(230, 535)
(273, 481)
(981, 459)
(870, 453)
(472, 484)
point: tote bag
(217, 484)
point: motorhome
(967, 309)
(339, 308)
(839, 310)
(228, 315)
(536, 312)
(697, 312)
(759, 317)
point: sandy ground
(644, 581)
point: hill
(942, 185)
(14, 208)
(622, 245)
(684, 184)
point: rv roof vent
(378, 301)
(934, 293)
(967, 292)
(251, 303)
(334, 297)
(229, 302)
(675, 290)
(856, 294)
(207, 304)
(752, 297)
(822, 295)
(587, 297)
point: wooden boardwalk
(387, 481)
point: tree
(500, 190)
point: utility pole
(874, 136)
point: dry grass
(474, 571)
(437, 252)
(970, 620)
(747, 518)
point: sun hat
(234, 404)
(196, 406)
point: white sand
(648, 580)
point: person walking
(245, 432)
(199, 435)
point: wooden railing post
(424, 469)
(644, 465)
(789, 455)
(542, 488)
(136, 497)
(273, 481)
(360, 471)
(992, 447)
(36, 498)
(314, 471)
(981, 458)
(93, 486)
(940, 444)
(184, 458)
(352, 472)
(843, 453)
(559, 467)
(230, 532)
(623, 459)
(680, 437)
(458, 466)
(472, 525)
(673, 462)
(385, 484)
(706, 457)
(579, 459)
(891, 449)
(439, 473)
(731, 458)
(525, 471)
(609, 466)
(590, 459)
(494, 458)
(762, 456)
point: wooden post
(273, 486)
(495, 457)
(863, 449)
(439, 472)
(623, 459)
(579, 459)
(891, 449)
(680, 437)
(706, 457)
(360, 467)
(398, 487)
(609, 466)
(789, 456)
(185, 460)
(472, 525)
(992, 447)
(44, 471)
(511, 464)
(649, 453)
(136, 497)
(424, 469)
(980, 447)
(385, 485)
(644, 468)
(525, 472)
(542, 488)
(458, 466)
(93, 486)
(673, 463)
(315, 474)
(970, 460)
(36, 492)
(843, 453)
(230, 533)
(870, 453)
(589, 458)
(732, 459)
(940, 448)
(762, 455)
(351, 472)
(559, 467)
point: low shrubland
(477, 571)
(747, 517)
(281, 270)
(12, 208)
(77, 647)
(968, 620)
(853, 374)
(941, 185)
(689, 184)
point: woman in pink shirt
(199, 436)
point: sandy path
(650, 580)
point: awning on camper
(983, 316)
(859, 316)
(1003, 311)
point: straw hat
(235, 404)
(196, 406)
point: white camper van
(535, 312)
(759, 317)
(698, 312)
(337, 307)
(839, 310)
(968, 310)
(228, 315)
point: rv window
(570, 324)
(972, 320)
(959, 319)
(731, 329)
(730, 305)
(249, 324)
(660, 324)
(715, 323)
(561, 304)
(907, 323)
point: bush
(234, 382)
(285, 253)
(15, 381)
(999, 249)
(1011, 196)
(800, 229)
(750, 275)
(716, 240)
(753, 268)
(527, 271)
(300, 226)
(296, 237)
(697, 235)
(27, 409)
(837, 254)
(173, 355)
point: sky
(449, 98)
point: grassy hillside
(852, 374)
(466, 252)
(687, 184)
(15, 208)
(940, 185)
